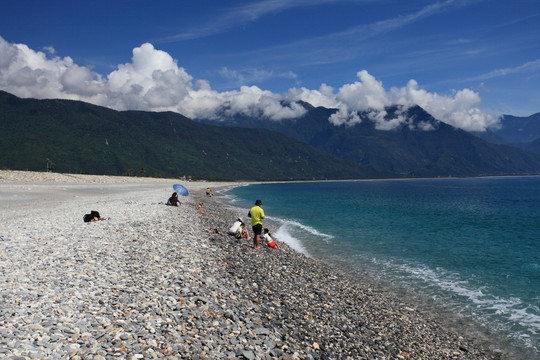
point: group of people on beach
(256, 213)
(238, 229)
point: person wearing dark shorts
(256, 214)
(257, 229)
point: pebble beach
(151, 281)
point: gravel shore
(151, 281)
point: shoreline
(466, 327)
(153, 281)
(466, 324)
(388, 316)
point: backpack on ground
(89, 217)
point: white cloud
(29, 73)
(238, 16)
(382, 123)
(79, 80)
(252, 101)
(368, 95)
(460, 110)
(322, 97)
(153, 81)
(345, 117)
(528, 67)
(49, 49)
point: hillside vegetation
(82, 138)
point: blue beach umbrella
(180, 190)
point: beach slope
(152, 281)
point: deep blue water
(471, 246)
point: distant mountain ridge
(406, 151)
(80, 137)
(521, 132)
(516, 129)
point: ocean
(467, 246)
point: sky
(466, 62)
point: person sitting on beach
(208, 192)
(199, 208)
(242, 232)
(173, 200)
(235, 226)
(269, 241)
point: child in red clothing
(269, 241)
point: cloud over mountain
(153, 81)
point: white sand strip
(25, 193)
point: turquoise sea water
(469, 246)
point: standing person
(257, 215)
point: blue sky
(465, 61)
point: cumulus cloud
(460, 110)
(323, 97)
(153, 81)
(78, 80)
(367, 95)
(29, 73)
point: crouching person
(242, 232)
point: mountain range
(80, 137)
(408, 150)
(520, 132)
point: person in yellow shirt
(256, 214)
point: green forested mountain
(83, 138)
(405, 151)
(80, 137)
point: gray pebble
(153, 282)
